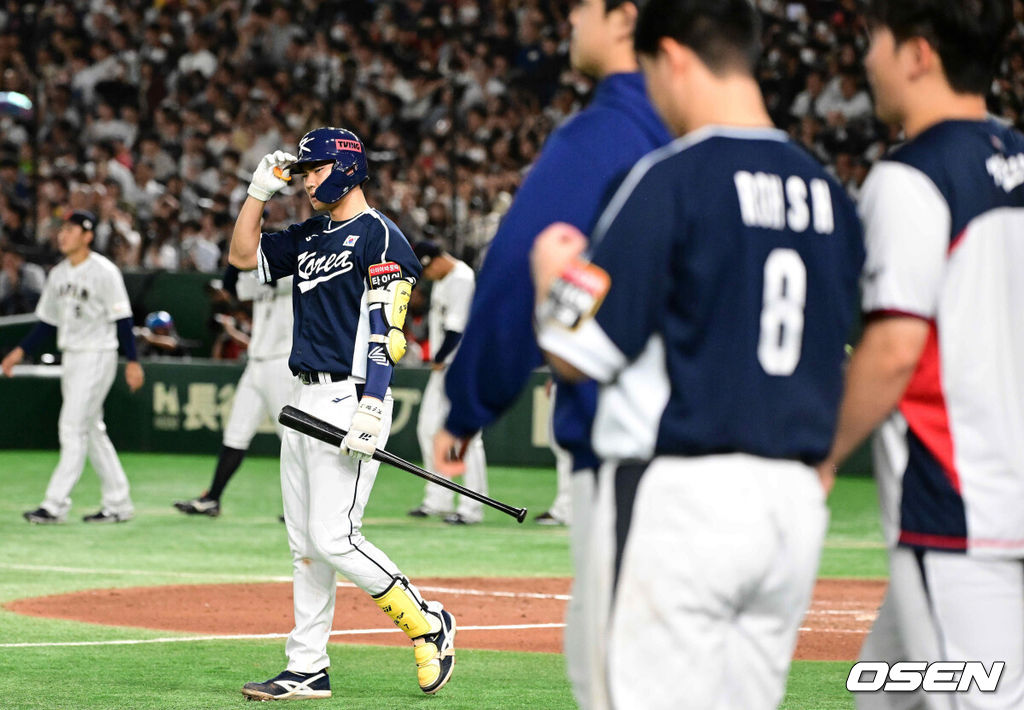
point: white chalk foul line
(142, 573)
(485, 593)
(834, 631)
(249, 637)
(251, 578)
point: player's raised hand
(361, 440)
(13, 358)
(555, 247)
(134, 376)
(448, 451)
(271, 175)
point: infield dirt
(840, 615)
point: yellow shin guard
(404, 609)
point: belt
(323, 378)
(320, 378)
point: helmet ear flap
(342, 179)
(332, 189)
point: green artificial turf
(818, 685)
(247, 543)
(210, 674)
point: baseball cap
(84, 218)
(426, 251)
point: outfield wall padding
(184, 407)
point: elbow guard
(390, 293)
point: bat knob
(521, 515)
(279, 174)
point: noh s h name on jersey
(769, 202)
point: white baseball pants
(562, 506)
(324, 495)
(578, 641)
(434, 408)
(702, 569)
(265, 387)
(943, 606)
(85, 381)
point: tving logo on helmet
(345, 150)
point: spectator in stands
(150, 95)
(232, 340)
(21, 282)
(845, 102)
(806, 102)
(13, 224)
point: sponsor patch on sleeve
(383, 274)
(576, 294)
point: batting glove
(361, 440)
(267, 180)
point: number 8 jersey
(734, 262)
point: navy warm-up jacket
(580, 166)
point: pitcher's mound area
(840, 615)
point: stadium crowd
(153, 114)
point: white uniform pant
(578, 641)
(943, 606)
(265, 387)
(437, 499)
(324, 495)
(561, 507)
(701, 569)
(85, 381)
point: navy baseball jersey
(734, 262)
(330, 262)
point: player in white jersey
(450, 299)
(86, 302)
(265, 387)
(940, 364)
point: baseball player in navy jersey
(578, 169)
(265, 387)
(85, 301)
(450, 296)
(940, 364)
(353, 271)
(717, 330)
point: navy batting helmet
(346, 151)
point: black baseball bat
(307, 424)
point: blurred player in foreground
(450, 297)
(353, 271)
(941, 361)
(265, 387)
(85, 302)
(578, 169)
(714, 311)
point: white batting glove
(361, 440)
(266, 180)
